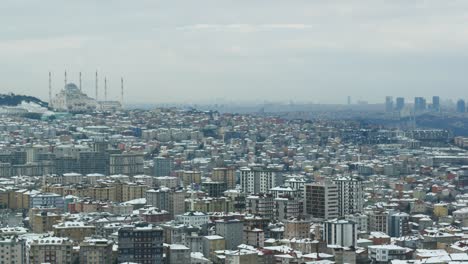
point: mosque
(71, 99)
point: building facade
(96, 251)
(141, 244)
(231, 230)
(126, 163)
(350, 195)
(226, 175)
(321, 200)
(163, 166)
(53, 250)
(340, 232)
(258, 180)
(13, 250)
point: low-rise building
(96, 251)
(193, 219)
(387, 253)
(54, 250)
(76, 231)
(12, 249)
(177, 253)
(141, 244)
(297, 228)
(212, 244)
(340, 232)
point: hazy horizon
(200, 51)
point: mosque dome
(71, 87)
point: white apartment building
(386, 253)
(350, 195)
(340, 232)
(361, 220)
(12, 250)
(258, 180)
(193, 218)
(145, 179)
(72, 178)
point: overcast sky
(192, 51)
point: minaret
(80, 83)
(65, 78)
(192, 200)
(121, 91)
(96, 97)
(105, 89)
(50, 88)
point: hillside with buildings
(207, 187)
(12, 99)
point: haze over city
(233, 132)
(203, 51)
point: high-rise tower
(105, 88)
(96, 96)
(388, 103)
(400, 103)
(121, 91)
(50, 88)
(461, 107)
(81, 89)
(419, 104)
(436, 103)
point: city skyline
(228, 132)
(101, 92)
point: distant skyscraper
(388, 103)
(419, 104)
(400, 103)
(349, 100)
(461, 108)
(436, 103)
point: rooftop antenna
(50, 87)
(121, 91)
(80, 82)
(105, 89)
(65, 78)
(96, 86)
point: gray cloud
(238, 50)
